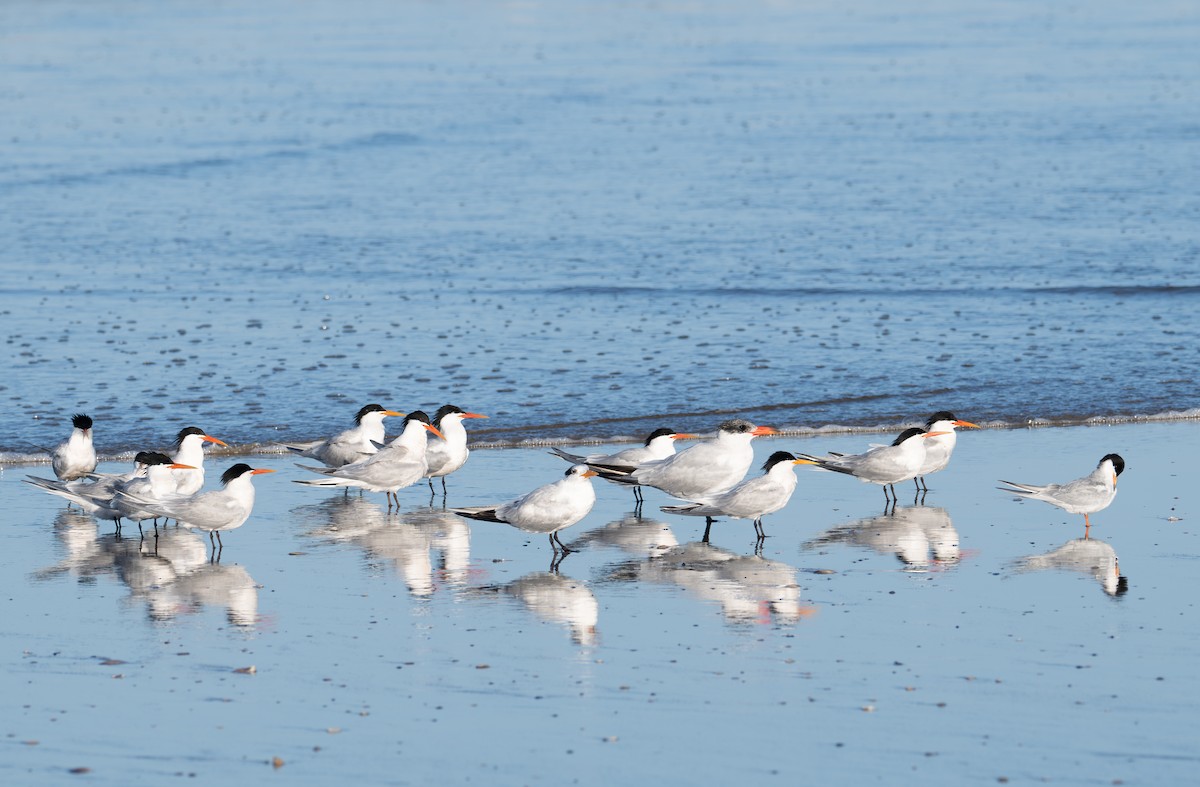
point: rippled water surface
(580, 217)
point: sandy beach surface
(967, 640)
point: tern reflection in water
(1084, 555)
(555, 599)
(922, 537)
(632, 534)
(407, 542)
(749, 588)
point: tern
(547, 509)
(753, 498)
(698, 473)
(75, 457)
(660, 444)
(1094, 492)
(352, 444)
(189, 450)
(938, 449)
(397, 464)
(156, 483)
(215, 511)
(885, 465)
(450, 453)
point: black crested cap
(370, 408)
(1118, 462)
(737, 426)
(153, 458)
(444, 411)
(657, 433)
(940, 415)
(1122, 586)
(907, 433)
(81, 421)
(776, 458)
(185, 432)
(241, 468)
(416, 415)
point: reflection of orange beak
(395, 413)
(178, 466)
(967, 424)
(208, 439)
(590, 473)
(473, 415)
(933, 434)
(260, 471)
(434, 429)
(759, 431)
(684, 436)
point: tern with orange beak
(220, 510)
(353, 444)
(938, 449)
(886, 465)
(76, 457)
(1094, 492)
(660, 444)
(398, 464)
(448, 454)
(698, 473)
(189, 450)
(547, 509)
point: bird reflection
(408, 542)
(171, 573)
(1085, 555)
(555, 599)
(631, 533)
(749, 588)
(922, 537)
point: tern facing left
(547, 509)
(1094, 492)
(215, 511)
(753, 498)
(76, 457)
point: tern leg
(553, 545)
(758, 529)
(430, 480)
(708, 522)
(1087, 526)
(443, 486)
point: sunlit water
(582, 219)
(587, 221)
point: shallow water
(586, 220)
(419, 647)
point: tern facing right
(885, 465)
(939, 449)
(450, 453)
(1094, 492)
(660, 444)
(753, 498)
(189, 450)
(547, 509)
(76, 457)
(352, 444)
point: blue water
(588, 221)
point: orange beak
(589, 473)
(803, 462)
(434, 429)
(684, 436)
(933, 434)
(208, 439)
(178, 466)
(260, 471)
(394, 413)
(759, 431)
(473, 415)
(967, 424)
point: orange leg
(1087, 526)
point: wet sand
(969, 639)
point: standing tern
(885, 465)
(189, 450)
(397, 464)
(352, 444)
(156, 484)
(75, 457)
(215, 511)
(1094, 492)
(698, 473)
(450, 453)
(753, 498)
(660, 444)
(938, 449)
(547, 509)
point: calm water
(416, 648)
(583, 218)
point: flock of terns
(710, 477)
